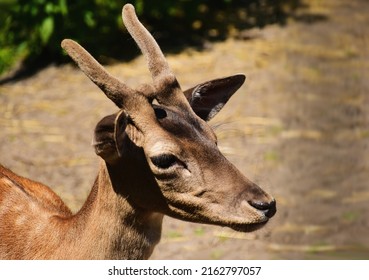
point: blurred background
(298, 127)
(33, 29)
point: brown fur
(157, 159)
(35, 223)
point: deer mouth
(248, 227)
(260, 220)
(261, 213)
(244, 218)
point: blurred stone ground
(298, 127)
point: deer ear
(208, 98)
(110, 136)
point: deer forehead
(185, 125)
(179, 134)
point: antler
(168, 91)
(157, 63)
(135, 102)
(114, 89)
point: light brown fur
(157, 159)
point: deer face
(199, 184)
(178, 170)
(167, 150)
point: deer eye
(160, 113)
(164, 161)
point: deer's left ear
(105, 138)
(208, 98)
(110, 134)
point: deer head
(161, 154)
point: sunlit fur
(122, 216)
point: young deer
(159, 158)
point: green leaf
(46, 29)
(89, 19)
(139, 6)
(49, 8)
(63, 7)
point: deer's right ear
(208, 98)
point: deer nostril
(269, 208)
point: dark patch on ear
(208, 98)
(121, 121)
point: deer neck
(121, 230)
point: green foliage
(33, 29)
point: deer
(158, 156)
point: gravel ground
(298, 127)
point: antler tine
(165, 82)
(133, 103)
(114, 89)
(157, 63)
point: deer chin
(248, 227)
(243, 218)
(240, 223)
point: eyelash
(164, 161)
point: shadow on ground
(189, 24)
